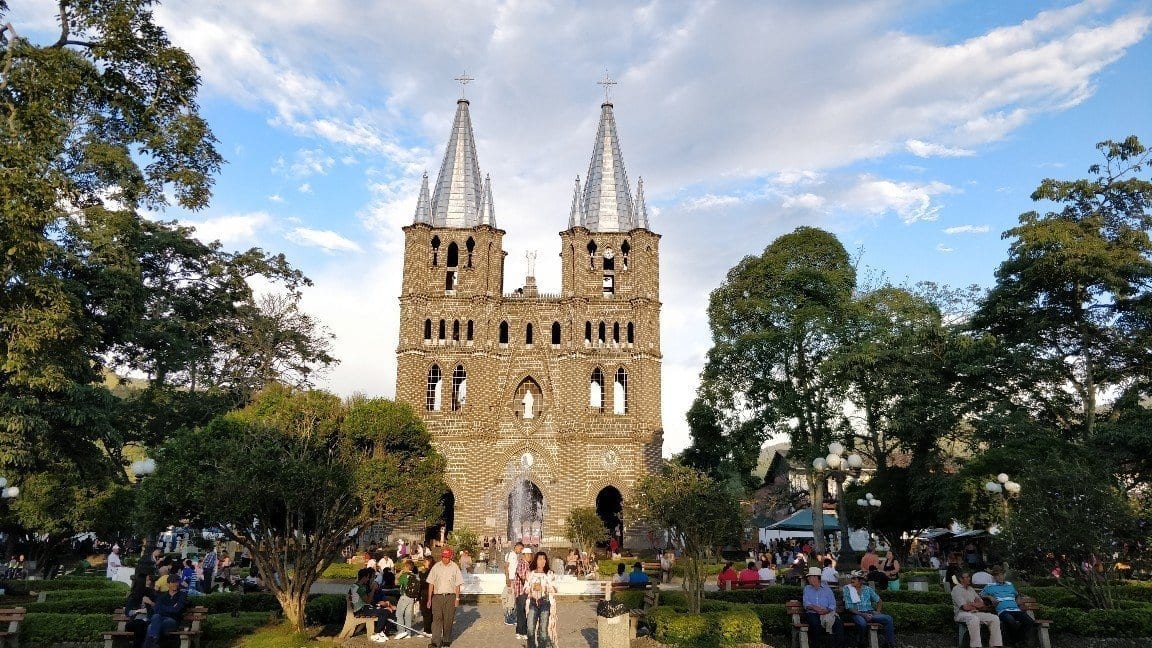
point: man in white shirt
(767, 572)
(114, 563)
(829, 576)
(972, 611)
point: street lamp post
(6, 491)
(841, 469)
(141, 468)
(1005, 488)
(868, 503)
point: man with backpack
(409, 583)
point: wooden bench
(352, 622)
(746, 585)
(800, 625)
(1029, 605)
(10, 620)
(651, 600)
(189, 632)
(652, 569)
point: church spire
(487, 209)
(423, 204)
(456, 200)
(607, 199)
(574, 217)
(640, 219)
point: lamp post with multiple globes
(868, 503)
(141, 468)
(1005, 488)
(6, 491)
(842, 469)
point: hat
(447, 553)
(814, 571)
(525, 550)
(856, 575)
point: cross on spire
(463, 79)
(607, 83)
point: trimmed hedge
(785, 593)
(607, 566)
(23, 587)
(105, 602)
(50, 628)
(325, 608)
(724, 627)
(345, 571)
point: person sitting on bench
(167, 611)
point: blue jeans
(405, 608)
(816, 634)
(882, 619)
(522, 614)
(158, 625)
(538, 612)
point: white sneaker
(379, 637)
(403, 634)
(519, 636)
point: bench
(745, 585)
(651, 600)
(191, 628)
(800, 625)
(10, 620)
(652, 569)
(352, 622)
(1029, 605)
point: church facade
(539, 402)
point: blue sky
(915, 130)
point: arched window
(434, 379)
(616, 332)
(591, 255)
(596, 390)
(588, 332)
(620, 392)
(624, 250)
(470, 245)
(601, 331)
(528, 399)
(453, 255)
(455, 330)
(427, 330)
(631, 333)
(441, 329)
(503, 332)
(555, 332)
(435, 250)
(469, 332)
(459, 387)
(528, 334)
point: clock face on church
(610, 460)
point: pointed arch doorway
(526, 513)
(610, 508)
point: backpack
(412, 586)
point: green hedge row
(341, 571)
(785, 593)
(23, 587)
(323, 609)
(607, 566)
(47, 628)
(714, 628)
(101, 602)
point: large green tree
(99, 125)
(699, 514)
(291, 475)
(777, 322)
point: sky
(915, 130)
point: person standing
(409, 582)
(114, 563)
(541, 587)
(518, 590)
(972, 612)
(208, 570)
(444, 584)
(863, 603)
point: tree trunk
(816, 494)
(693, 582)
(293, 601)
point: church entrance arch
(444, 524)
(610, 508)
(526, 513)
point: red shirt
(749, 575)
(727, 575)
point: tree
(584, 527)
(1072, 301)
(291, 475)
(699, 514)
(777, 321)
(1070, 517)
(99, 125)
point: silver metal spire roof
(487, 209)
(575, 216)
(456, 200)
(640, 218)
(423, 204)
(607, 199)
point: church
(539, 402)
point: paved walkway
(482, 626)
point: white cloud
(231, 229)
(709, 201)
(275, 198)
(911, 201)
(966, 229)
(305, 188)
(326, 240)
(304, 163)
(940, 247)
(804, 201)
(926, 149)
